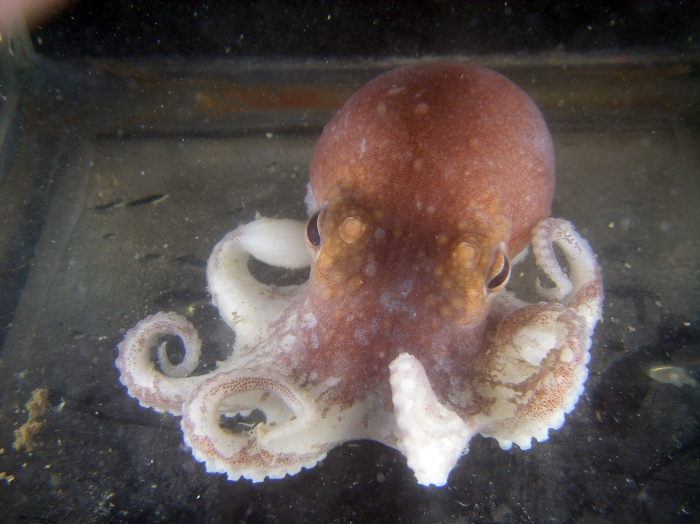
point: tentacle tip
(525, 445)
(504, 444)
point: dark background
(118, 29)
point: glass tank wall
(134, 136)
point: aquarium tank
(418, 262)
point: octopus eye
(502, 265)
(312, 233)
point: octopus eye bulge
(502, 266)
(351, 230)
(312, 233)
(465, 255)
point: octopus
(425, 189)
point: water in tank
(335, 262)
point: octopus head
(452, 267)
(426, 181)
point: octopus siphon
(425, 188)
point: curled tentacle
(583, 290)
(184, 368)
(245, 304)
(161, 391)
(536, 376)
(282, 445)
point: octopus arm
(536, 374)
(164, 391)
(283, 445)
(245, 304)
(536, 363)
(583, 289)
(432, 437)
